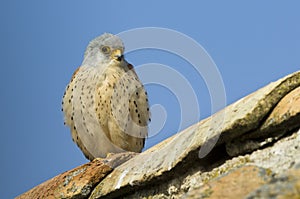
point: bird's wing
(68, 109)
(130, 110)
(86, 122)
(67, 101)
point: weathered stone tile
(78, 182)
(284, 117)
(286, 186)
(242, 117)
(237, 183)
(286, 112)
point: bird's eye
(105, 49)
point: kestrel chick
(105, 104)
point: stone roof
(250, 149)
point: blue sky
(42, 42)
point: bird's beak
(117, 55)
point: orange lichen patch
(287, 108)
(236, 184)
(76, 182)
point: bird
(105, 104)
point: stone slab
(242, 117)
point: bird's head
(104, 49)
